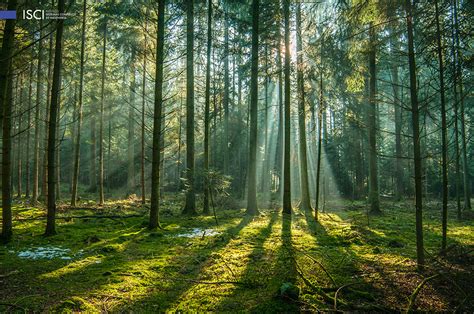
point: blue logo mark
(8, 15)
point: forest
(264, 156)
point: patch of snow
(47, 252)
(197, 232)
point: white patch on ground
(48, 252)
(197, 232)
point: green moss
(122, 267)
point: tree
(252, 208)
(6, 116)
(287, 115)
(373, 173)
(77, 143)
(54, 109)
(206, 108)
(156, 154)
(444, 130)
(190, 206)
(416, 138)
(101, 120)
(305, 199)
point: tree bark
(101, 122)
(39, 92)
(416, 139)
(444, 132)
(190, 206)
(156, 153)
(372, 113)
(207, 109)
(54, 109)
(77, 144)
(305, 198)
(252, 208)
(287, 115)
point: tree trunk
(28, 134)
(131, 130)
(39, 92)
(54, 109)
(156, 154)
(287, 115)
(142, 148)
(101, 122)
(444, 131)
(226, 94)
(190, 206)
(206, 109)
(465, 164)
(305, 198)
(252, 208)
(372, 113)
(318, 160)
(6, 115)
(416, 139)
(77, 144)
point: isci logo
(33, 14)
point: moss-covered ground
(266, 263)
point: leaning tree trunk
(190, 206)
(287, 115)
(54, 109)
(156, 153)
(416, 139)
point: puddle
(48, 252)
(197, 232)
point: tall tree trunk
(44, 181)
(190, 206)
(252, 208)
(28, 134)
(372, 113)
(287, 115)
(444, 131)
(101, 122)
(305, 198)
(226, 93)
(18, 136)
(77, 143)
(6, 115)
(398, 129)
(54, 109)
(207, 109)
(456, 118)
(465, 164)
(131, 129)
(142, 148)
(318, 160)
(39, 92)
(416, 139)
(156, 153)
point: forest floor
(107, 261)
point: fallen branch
(13, 305)
(339, 289)
(225, 282)
(417, 291)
